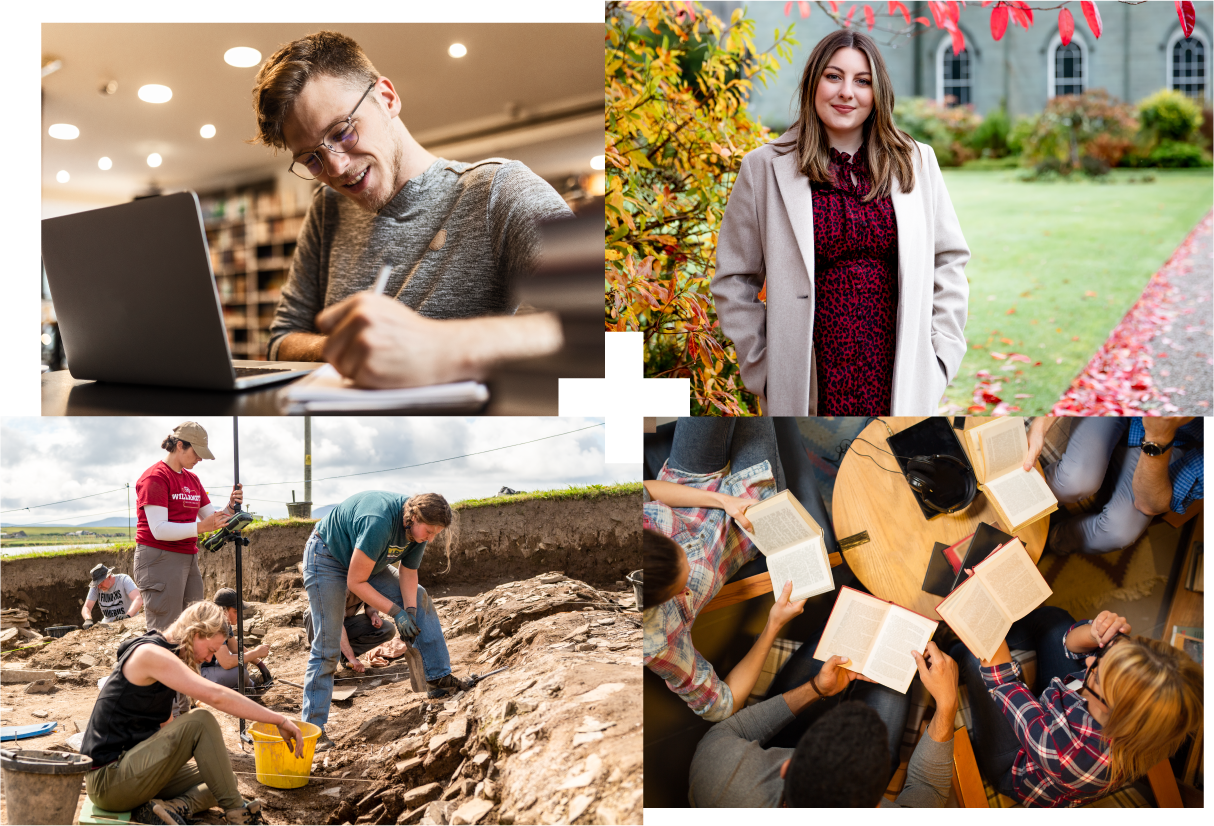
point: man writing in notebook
(456, 234)
(841, 761)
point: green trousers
(186, 758)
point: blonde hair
(432, 509)
(889, 150)
(1154, 694)
(199, 619)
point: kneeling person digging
(161, 768)
(222, 668)
(350, 550)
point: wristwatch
(1156, 449)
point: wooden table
(892, 564)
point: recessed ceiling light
(63, 131)
(155, 93)
(154, 159)
(207, 131)
(104, 163)
(598, 162)
(62, 176)
(457, 50)
(242, 57)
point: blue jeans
(890, 705)
(1097, 460)
(325, 582)
(995, 742)
(708, 444)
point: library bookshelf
(252, 234)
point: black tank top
(126, 714)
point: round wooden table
(892, 564)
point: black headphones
(943, 482)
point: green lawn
(57, 535)
(1055, 266)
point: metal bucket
(42, 786)
(634, 579)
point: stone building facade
(1140, 51)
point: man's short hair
(281, 78)
(841, 761)
(661, 561)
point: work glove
(87, 624)
(406, 623)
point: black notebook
(929, 437)
(942, 577)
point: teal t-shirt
(371, 521)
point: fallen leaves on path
(1117, 381)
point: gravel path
(1183, 349)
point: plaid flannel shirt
(1188, 472)
(715, 550)
(1063, 761)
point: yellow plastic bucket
(276, 765)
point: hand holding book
(785, 610)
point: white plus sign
(624, 397)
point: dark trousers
(707, 444)
(995, 742)
(362, 634)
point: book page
(806, 565)
(976, 618)
(779, 528)
(1022, 495)
(1004, 446)
(1014, 581)
(851, 629)
(891, 663)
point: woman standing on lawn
(847, 220)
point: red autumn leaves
(946, 16)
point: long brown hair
(432, 509)
(1154, 694)
(199, 619)
(889, 150)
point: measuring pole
(308, 462)
(240, 673)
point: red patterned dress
(855, 292)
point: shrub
(1176, 155)
(677, 129)
(1169, 115)
(990, 138)
(1020, 133)
(947, 129)
(1078, 125)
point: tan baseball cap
(193, 433)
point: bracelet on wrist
(813, 681)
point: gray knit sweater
(456, 236)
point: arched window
(1188, 63)
(954, 75)
(1067, 66)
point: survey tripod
(232, 533)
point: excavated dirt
(556, 738)
(595, 540)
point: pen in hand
(381, 280)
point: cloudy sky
(53, 459)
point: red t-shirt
(181, 493)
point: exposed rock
(368, 801)
(436, 813)
(577, 806)
(420, 795)
(86, 660)
(471, 812)
(40, 714)
(408, 765)
(40, 686)
(457, 732)
(373, 816)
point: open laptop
(136, 299)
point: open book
(877, 635)
(792, 542)
(997, 450)
(1004, 587)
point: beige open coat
(768, 233)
